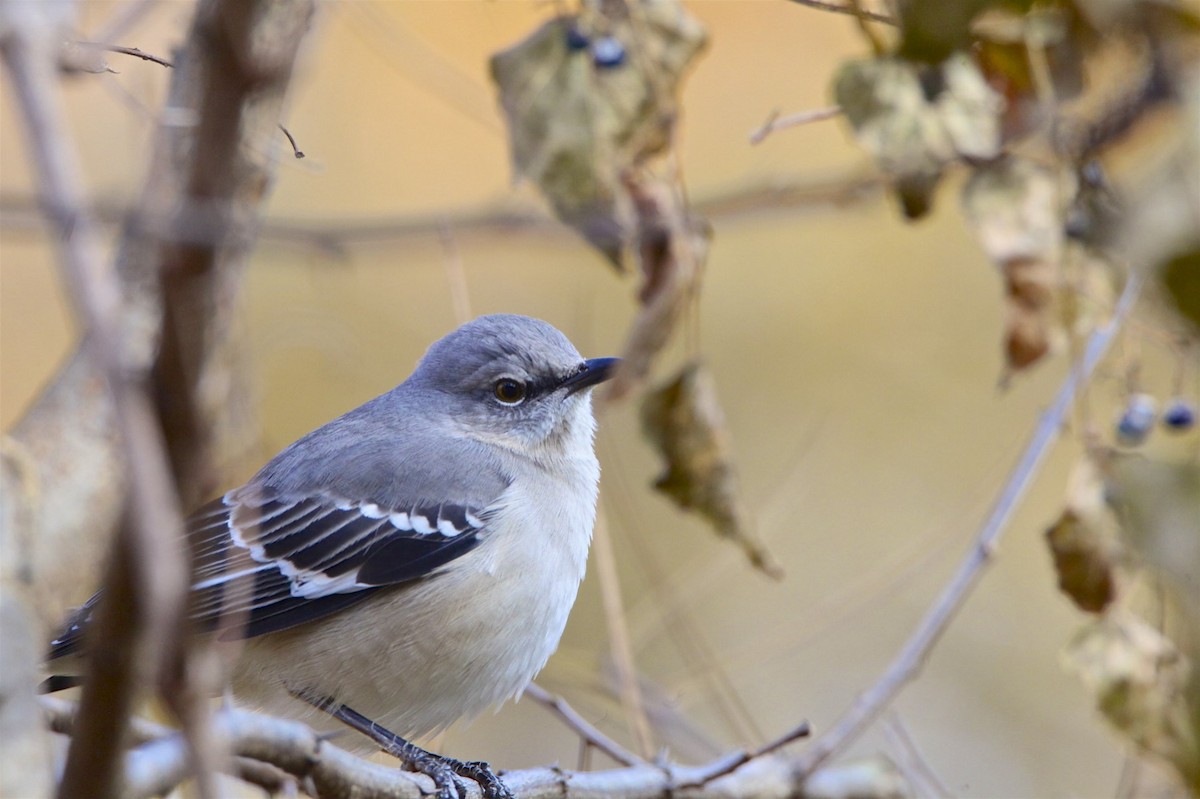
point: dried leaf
(671, 248)
(915, 119)
(683, 419)
(1084, 543)
(1013, 205)
(581, 114)
(1140, 681)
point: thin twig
(296, 151)
(21, 211)
(61, 717)
(848, 10)
(908, 661)
(776, 122)
(123, 20)
(618, 635)
(131, 51)
(739, 759)
(897, 733)
(587, 733)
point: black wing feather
(267, 562)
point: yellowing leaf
(915, 119)
(579, 119)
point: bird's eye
(509, 391)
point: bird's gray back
(379, 453)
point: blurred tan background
(857, 357)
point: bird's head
(515, 382)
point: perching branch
(158, 765)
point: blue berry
(576, 39)
(608, 52)
(1179, 416)
(1135, 423)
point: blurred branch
(150, 348)
(123, 20)
(915, 765)
(618, 635)
(145, 603)
(909, 660)
(776, 122)
(18, 212)
(849, 9)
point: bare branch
(588, 733)
(849, 10)
(158, 765)
(296, 151)
(908, 661)
(18, 212)
(130, 51)
(739, 759)
(775, 122)
(618, 635)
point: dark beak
(591, 372)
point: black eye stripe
(535, 388)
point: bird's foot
(444, 771)
(447, 771)
(482, 773)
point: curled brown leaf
(683, 419)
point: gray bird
(412, 562)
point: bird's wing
(267, 561)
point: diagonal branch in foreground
(159, 286)
(153, 597)
(908, 661)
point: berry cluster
(607, 51)
(1141, 412)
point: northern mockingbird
(412, 562)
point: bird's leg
(444, 771)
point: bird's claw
(446, 773)
(482, 773)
